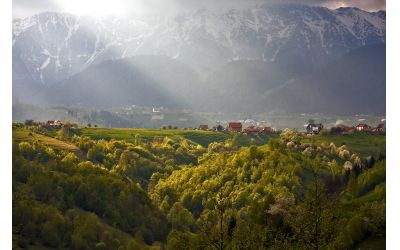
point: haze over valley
(270, 58)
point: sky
(23, 8)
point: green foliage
(176, 194)
(367, 180)
(363, 143)
(65, 183)
(27, 150)
(180, 218)
(313, 222)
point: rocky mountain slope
(269, 58)
(55, 46)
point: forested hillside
(71, 191)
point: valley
(185, 186)
(259, 126)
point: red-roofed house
(251, 129)
(265, 129)
(235, 127)
(260, 129)
(362, 127)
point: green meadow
(20, 135)
(203, 138)
(362, 143)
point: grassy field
(204, 138)
(200, 137)
(365, 144)
(26, 135)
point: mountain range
(270, 57)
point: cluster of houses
(313, 128)
(54, 124)
(48, 124)
(238, 127)
(363, 127)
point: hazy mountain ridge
(55, 46)
(354, 84)
(142, 80)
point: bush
(101, 245)
(49, 234)
(372, 177)
(26, 150)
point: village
(310, 128)
(246, 128)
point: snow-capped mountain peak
(54, 46)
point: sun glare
(96, 8)
(335, 5)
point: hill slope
(354, 84)
(143, 80)
(238, 85)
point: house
(362, 127)
(55, 123)
(313, 128)
(29, 122)
(344, 128)
(251, 130)
(341, 129)
(234, 127)
(380, 128)
(203, 127)
(265, 129)
(218, 128)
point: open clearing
(362, 143)
(26, 135)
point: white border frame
(392, 107)
(5, 124)
(393, 132)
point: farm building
(251, 129)
(265, 129)
(363, 127)
(234, 127)
(341, 129)
(54, 123)
(203, 127)
(260, 129)
(380, 128)
(156, 110)
(218, 128)
(313, 128)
